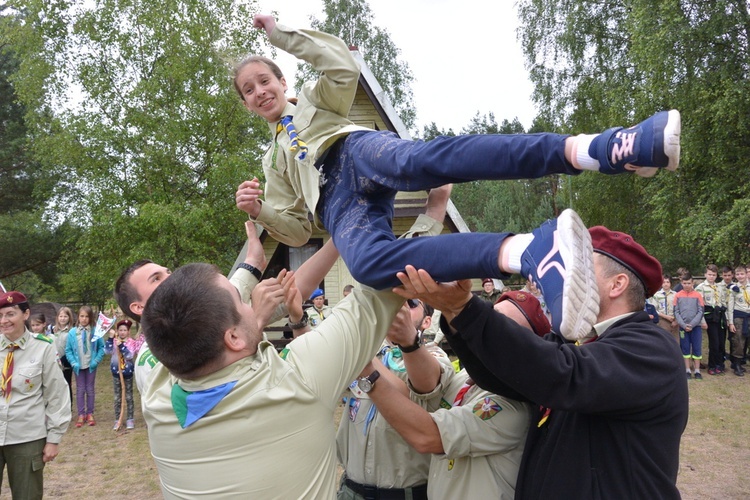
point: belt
(370, 492)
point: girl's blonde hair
(71, 318)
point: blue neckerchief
(390, 356)
(192, 406)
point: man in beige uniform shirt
(276, 407)
(375, 458)
(34, 400)
(232, 409)
(476, 437)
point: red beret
(488, 280)
(624, 249)
(531, 308)
(125, 322)
(10, 299)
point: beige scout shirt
(316, 317)
(61, 340)
(272, 435)
(39, 404)
(369, 449)
(663, 302)
(739, 301)
(320, 118)
(483, 437)
(711, 293)
(724, 293)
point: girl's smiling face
(63, 318)
(13, 322)
(263, 93)
(37, 326)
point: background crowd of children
(80, 353)
(721, 308)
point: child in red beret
(121, 346)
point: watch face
(364, 384)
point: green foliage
(490, 206)
(352, 21)
(130, 106)
(594, 67)
(31, 245)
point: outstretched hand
(264, 21)
(248, 196)
(449, 298)
(268, 294)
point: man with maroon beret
(34, 400)
(489, 293)
(609, 408)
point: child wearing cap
(122, 364)
(319, 310)
(688, 311)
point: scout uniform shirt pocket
(29, 377)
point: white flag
(103, 325)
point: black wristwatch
(365, 384)
(301, 323)
(253, 270)
(411, 348)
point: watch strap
(301, 323)
(373, 376)
(411, 348)
(252, 269)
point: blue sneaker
(652, 144)
(560, 261)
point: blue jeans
(364, 171)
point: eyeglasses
(414, 303)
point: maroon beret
(624, 249)
(125, 322)
(10, 299)
(488, 280)
(531, 308)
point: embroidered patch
(147, 358)
(450, 463)
(486, 408)
(29, 385)
(284, 352)
(353, 408)
(445, 404)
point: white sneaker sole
(671, 145)
(580, 291)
